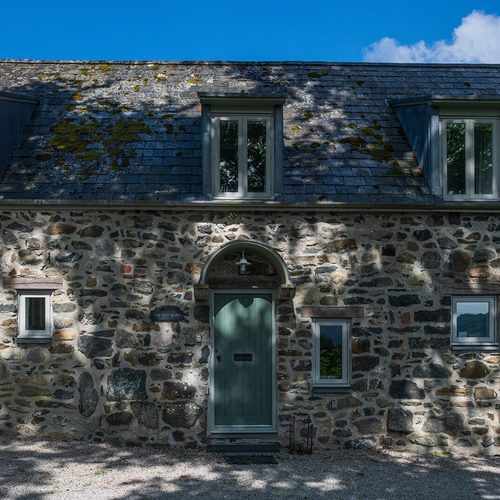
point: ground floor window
(473, 321)
(34, 316)
(332, 353)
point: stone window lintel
(41, 283)
(332, 312)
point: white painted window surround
(333, 333)
(35, 315)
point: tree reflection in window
(473, 319)
(455, 157)
(330, 355)
(256, 154)
(483, 158)
(228, 163)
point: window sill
(341, 389)
(476, 347)
(33, 340)
(229, 199)
(476, 199)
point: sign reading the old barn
(167, 314)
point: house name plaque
(167, 314)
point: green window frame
(241, 175)
(470, 158)
(328, 371)
(244, 108)
(463, 327)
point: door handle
(217, 356)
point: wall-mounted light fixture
(243, 264)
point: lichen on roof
(133, 129)
(370, 142)
(87, 139)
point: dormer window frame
(243, 108)
(423, 119)
(242, 120)
(469, 120)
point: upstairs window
(242, 155)
(242, 141)
(470, 158)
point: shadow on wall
(113, 373)
(408, 388)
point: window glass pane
(35, 313)
(483, 158)
(455, 157)
(330, 356)
(256, 153)
(228, 162)
(473, 319)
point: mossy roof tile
(132, 131)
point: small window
(470, 158)
(242, 156)
(35, 316)
(473, 321)
(332, 353)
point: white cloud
(476, 40)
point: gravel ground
(56, 471)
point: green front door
(243, 396)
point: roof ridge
(242, 63)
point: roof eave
(443, 99)
(438, 206)
(239, 97)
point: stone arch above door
(268, 270)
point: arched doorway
(242, 313)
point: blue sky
(239, 30)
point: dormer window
(455, 140)
(242, 146)
(242, 155)
(470, 158)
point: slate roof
(132, 132)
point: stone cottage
(197, 253)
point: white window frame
(346, 353)
(242, 120)
(474, 341)
(23, 333)
(469, 157)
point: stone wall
(111, 373)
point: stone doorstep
(229, 448)
(254, 458)
(243, 443)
